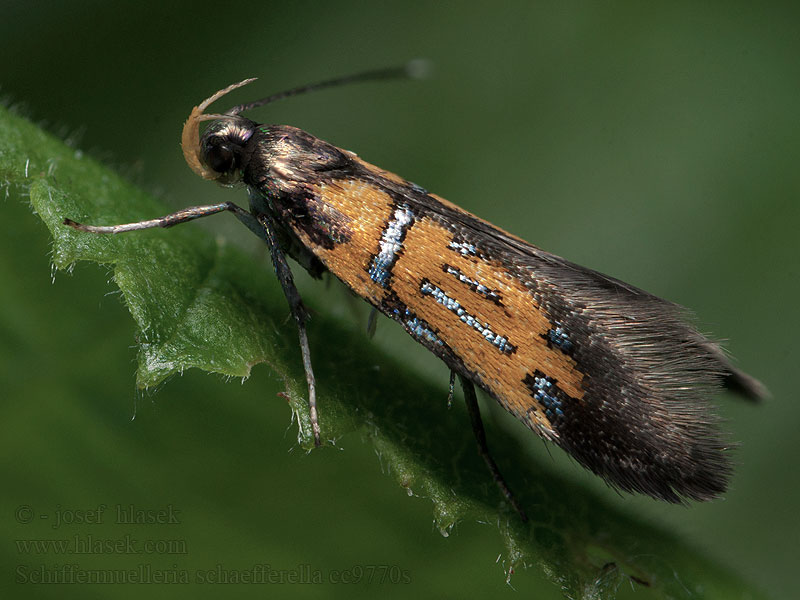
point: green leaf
(200, 303)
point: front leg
(268, 231)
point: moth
(617, 377)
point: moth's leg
(480, 435)
(372, 322)
(182, 216)
(452, 389)
(298, 311)
(265, 229)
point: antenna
(415, 69)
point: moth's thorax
(272, 158)
(282, 157)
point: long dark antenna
(415, 69)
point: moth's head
(217, 154)
(222, 148)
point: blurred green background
(658, 144)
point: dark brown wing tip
(746, 385)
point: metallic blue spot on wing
(420, 329)
(546, 392)
(559, 338)
(463, 248)
(417, 327)
(473, 284)
(498, 341)
(391, 245)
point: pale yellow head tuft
(190, 139)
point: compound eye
(220, 158)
